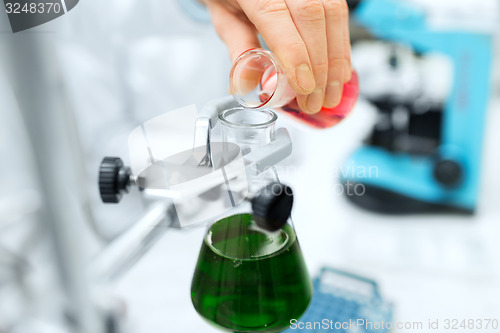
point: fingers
(235, 31)
(309, 18)
(310, 37)
(274, 22)
(338, 51)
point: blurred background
(423, 221)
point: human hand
(310, 37)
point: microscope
(427, 156)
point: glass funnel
(250, 278)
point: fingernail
(305, 77)
(315, 101)
(333, 94)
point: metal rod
(128, 248)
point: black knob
(272, 206)
(448, 173)
(114, 179)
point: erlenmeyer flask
(248, 278)
(258, 80)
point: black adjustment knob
(272, 206)
(114, 179)
(448, 173)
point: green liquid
(250, 280)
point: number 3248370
(33, 8)
(470, 324)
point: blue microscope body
(448, 177)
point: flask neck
(249, 129)
(258, 80)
